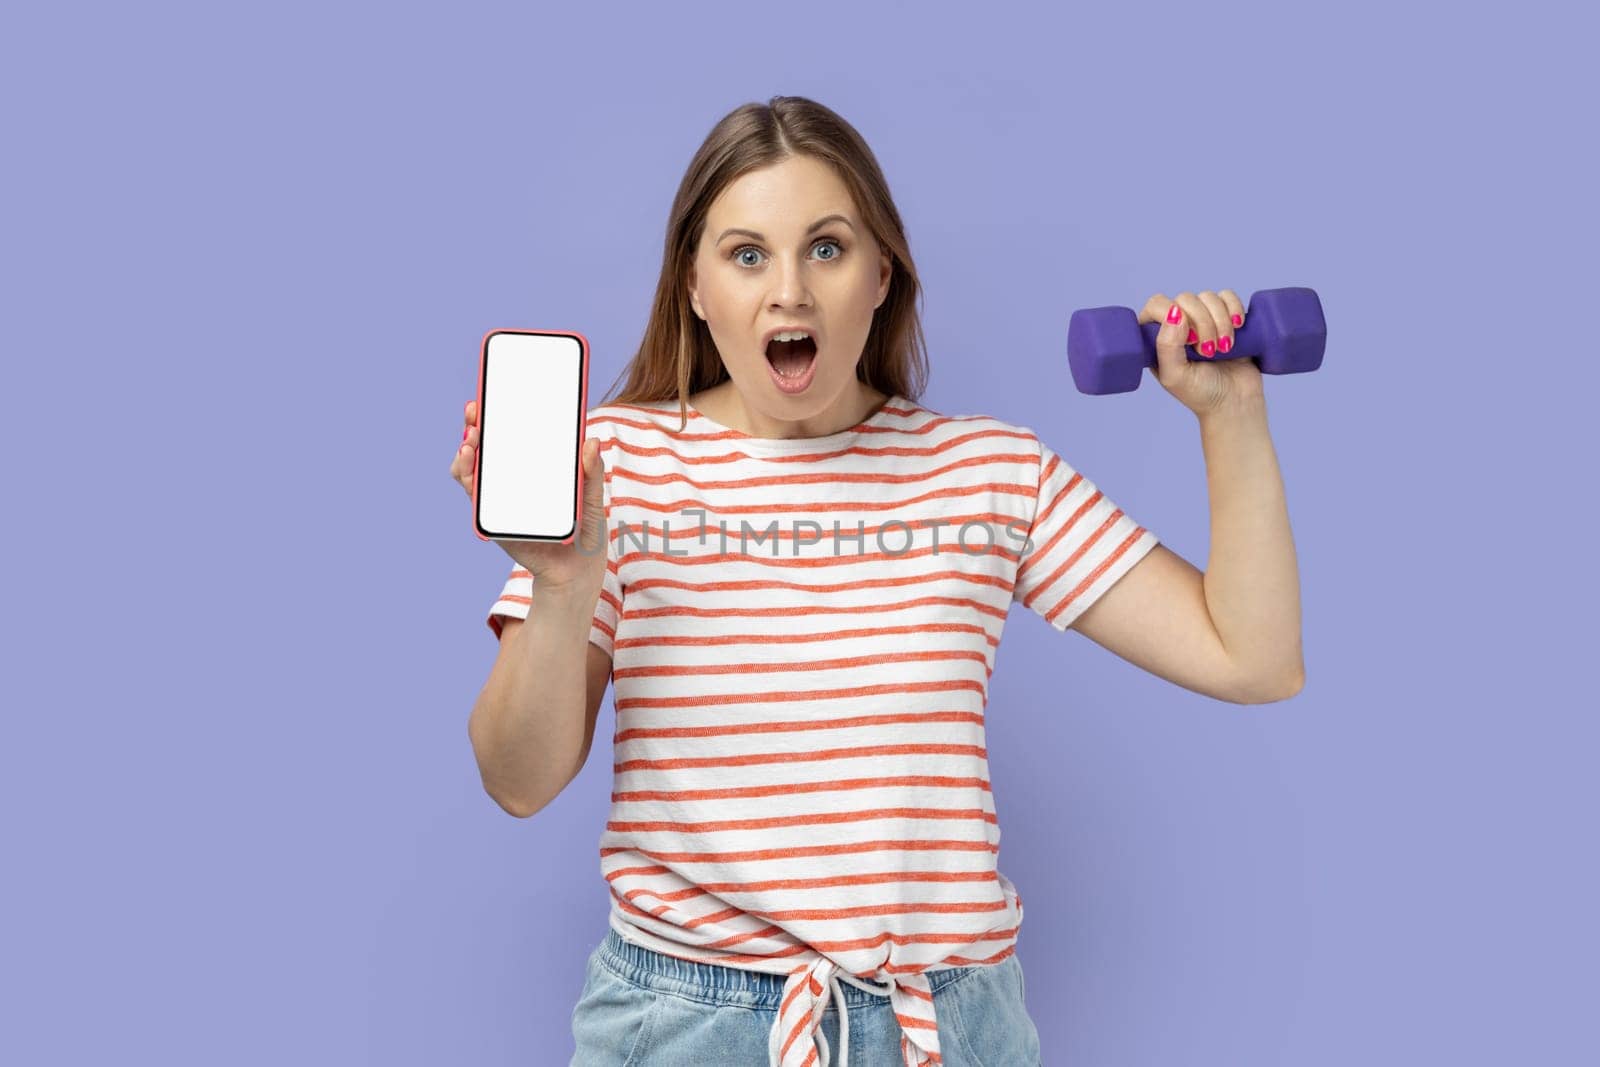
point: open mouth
(791, 359)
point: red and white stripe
(800, 776)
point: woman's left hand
(1207, 321)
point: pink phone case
(583, 424)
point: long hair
(677, 355)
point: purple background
(248, 260)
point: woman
(803, 575)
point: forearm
(528, 725)
(1252, 581)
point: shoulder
(985, 431)
(631, 422)
(994, 425)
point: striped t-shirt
(802, 632)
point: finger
(1220, 323)
(1202, 329)
(1155, 309)
(594, 482)
(471, 412)
(1171, 358)
(1235, 307)
(594, 470)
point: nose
(789, 288)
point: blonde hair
(677, 356)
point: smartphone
(533, 391)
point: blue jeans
(640, 1008)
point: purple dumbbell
(1108, 348)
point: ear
(694, 299)
(885, 274)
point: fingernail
(1174, 315)
(1193, 337)
(1238, 320)
(463, 433)
(1224, 344)
(1208, 348)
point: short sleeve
(1079, 544)
(517, 594)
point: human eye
(742, 249)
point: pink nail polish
(1238, 320)
(1193, 337)
(1224, 344)
(1174, 315)
(463, 433)
(1208, 348)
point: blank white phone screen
(529, 428)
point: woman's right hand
(579, 564)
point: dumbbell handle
(1246, 342)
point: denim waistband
(716, 984)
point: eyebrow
(819, 224)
